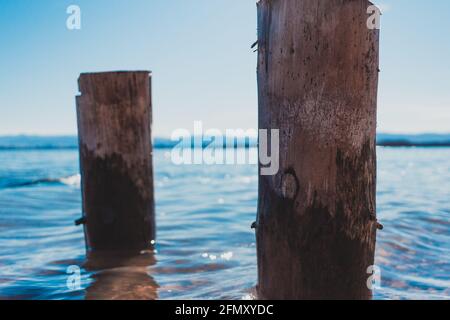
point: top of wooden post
(113, 86)
(114, 72)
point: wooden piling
(114, 130)
(317, 84)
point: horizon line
(56, 135)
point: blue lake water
(205, 246)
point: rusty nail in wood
(80, 221)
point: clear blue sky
(203, 67)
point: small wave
(73, 180)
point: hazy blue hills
(71, 142)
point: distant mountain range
(71, 142)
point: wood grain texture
(317, 83)
(114, 130)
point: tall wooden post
(114, 130)
(317, 79)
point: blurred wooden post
(114, 130)
(317, 82)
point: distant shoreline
(390, 144)
(24, 142)
(394, 144)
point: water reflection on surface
(121, 276)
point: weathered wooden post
(114, 130)
(317, 78)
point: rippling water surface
(205, 247)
